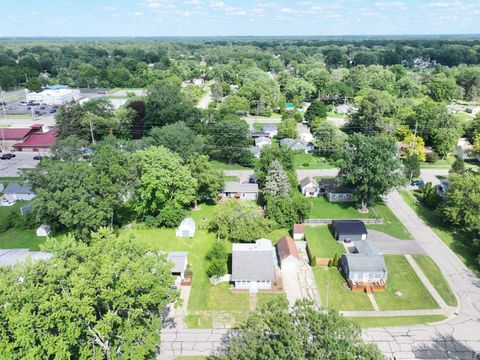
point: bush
(432, 157)
(171, 215)
(217, 252)
(314, 261)
(306, 164)
(217, 268)
(188, 271)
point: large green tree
(304, 332)
(317, 109)
(276, 182)
(442, 88)
(369, 166)
(210, 181)
(96, 299)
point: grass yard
(452, 238)
(333, 114)
(198, 322)
(340, 297)
(322, 243)
(218, 165)
(401, 277)
(258, 126)
(323, 209)
(384, 321)
(309, 161)
(435, 276)
(439, 164)
(230, 178)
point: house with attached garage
(349, 230)
(271, 130)
(288, 254)
(240, 191)
(309, 187)
(365, 268)
(253, 265)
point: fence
(377, 221)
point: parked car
(3, 103)
(53, 111)
(42, 107)
(7, 156)
(418, 182)
(37, 157)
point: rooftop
(366, 247)
(179, 260)
(233, 187)
(362, 262)
(12, 256)
(350, 227)
(286, 247)
(253, 261)
(39, 140)
(16, 188)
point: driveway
(390, 245)
(205, 100)
(22, 160)
(431, 175)
(243, 175)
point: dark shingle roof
(349, 227)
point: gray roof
(304, 182)
(16, 188)
(253, 262)
(234, 187)
(366, 247)
(270, 127)
(13, 256)
(255, 150)
(263, 139)
(179, 260)
(295, 144)
(362, 262)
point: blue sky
(234, 17)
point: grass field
(340, 297)
(323, 209)
(435, 276)
(374, 322)
(224, 166)
(402, 277)
(452, 238)
(322, 243)
(309, 161)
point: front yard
(323, 209)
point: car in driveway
(37, 157)
(52, 111)
(7, 156)
(418, 182)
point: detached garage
(288, 254)
(349, 230)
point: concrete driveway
(291, 286)
(390, 245)
(242, 175)
(22, 160)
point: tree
(317, 109)
(287, 128)
(236, 104)
(34, 85)
(239, 221)
(289, 210)
(176, 137)
(320, 77)
(305, 332)
(444, 140)
(163, 181)
(458, 166)
(276, 182)
(268, 155)
(418, 144)
(441, 88)
(101, 299)
(328, 138)
(70, 148)
(217, 256)
(411, 167)
(209, 181)
(68, 120)
(298, 87)
(370, 167)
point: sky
(236, 18)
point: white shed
(44, 230)
(186, 228)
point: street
(22, 160)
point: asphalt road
(22, 160)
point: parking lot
(22, 160)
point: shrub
(314, 261)
(171, 215)
(217, 252)
(217, 268)
(335, 260)
(306, 164)
(432, 157)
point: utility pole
(413, 145)
(2, 99)
(91, 130)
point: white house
(15, 191)
(309, 187)
(288, 254)
(253, 265)
(304, 133)
(44, 230)
(271, 130)
(240, 191)
(298, 231)
(54, 96)
(366, 265)
(186, 228)
(464, 150)
(262, 141)
(180, 261)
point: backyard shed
(44, 230)
(186, 228)
(349, 230)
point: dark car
(52, 111)
(37, 157)
(3, 103)
(418, 182)
(7, 156)
(42, 107)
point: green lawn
(309, 161)
(374, 322)
(333, 114)
(439, 164)
(224, 166)
(258, 126)
(230, 178)
(435, 276)
(198, 322)
(454, 239)
(340, 297)
(321, 242)
(462, 117)
(323, 209)
(402, 277)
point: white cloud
(109, 8)
(217, 5)
(438, 4)
(192, 2)
(286, 10)
(136, 14)
(396, 5)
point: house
(40, 141)
(262, 141)
(335, 193)
(304, 133)
(16, 191)
(253, 265)
(296, 145)
(345, 109)
(288, 254)
(464, 150)
(298, 231)
(180, 261)
(44, 230)
(271, 130)
(255, 150)
(9, 257)
(473, 110)
(367, 265)
(241, 191)
(186, 228)
(349, 230)
(257, 133)
(309, 187)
